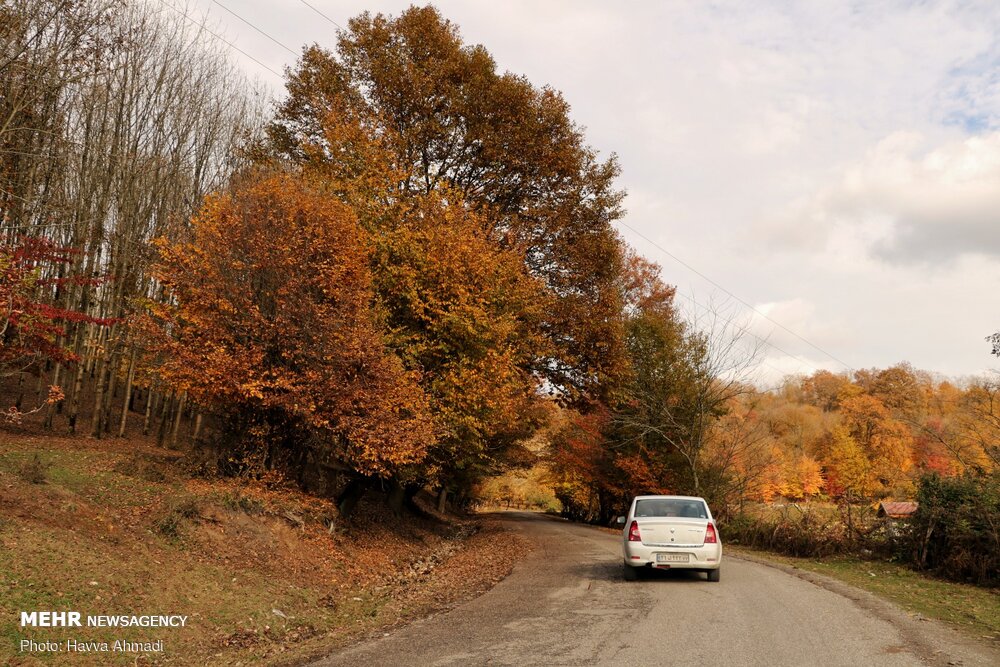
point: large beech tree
(464, 311)
(490, 142)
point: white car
(670, 532)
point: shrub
(802, 534)
(35, 471)
(152, 472)
(956, 528)
(187, 508)
(169, 525)
(236, 502)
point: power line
(321, 14)
(746, 330)
(292, 51)
(745, 303)
(217, 36)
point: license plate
(672, 558)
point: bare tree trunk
(50, 409)
(161, 433)
(166, 412)
(74, 405)
(109, 392)
(197, 427)
(102, 369)
(93, 357)
(128, 393)
(149, 410)
(177, 421)
(20, 391)
(442, 499)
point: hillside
(117, 527)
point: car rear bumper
(705, 557)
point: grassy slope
(973, 610)
(115, 529)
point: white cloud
(787, 323)
(904, 203)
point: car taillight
(710, 537)
(633, 532)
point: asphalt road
(567, 604)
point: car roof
(670, 498)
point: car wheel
(713, 575)
(630, 573)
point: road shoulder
(924, 636)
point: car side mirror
(620, 521)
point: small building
(896, 509)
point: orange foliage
(403, 109)
(272, 322)
(848, 468)
(464, 311)
(884, 441)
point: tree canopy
(445, 121)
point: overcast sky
(836, 167)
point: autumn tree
(270, 324)
(464, 311)
(902, 390)
(798, 427)
(823, 389)
(803, 477)
(684, 377)
(592, 480)
(491, 142)
(886, 442)
(975, 437)
(29, 327)
(849, 470)
(741, 458)
(598, 464)
(32, 331)
(494, 260)
(666, 409)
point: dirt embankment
(265, 575)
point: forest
(867, 435)
(366, 284)
(404, 274)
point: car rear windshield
(692, 509)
